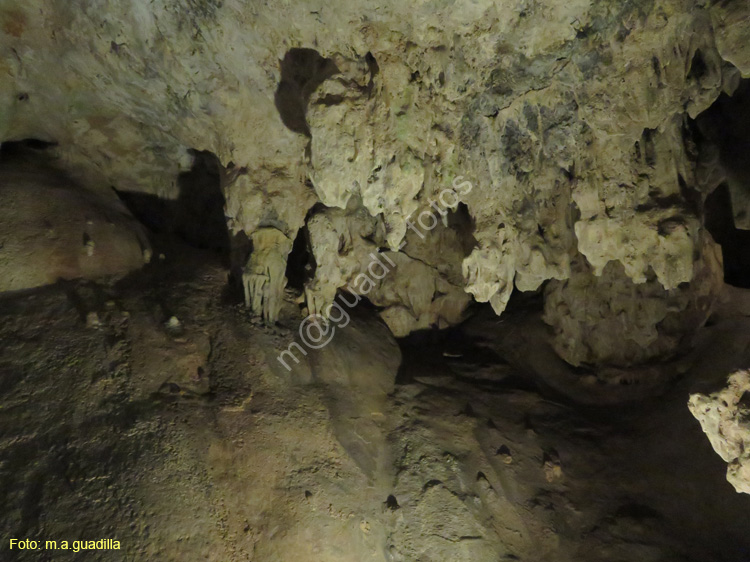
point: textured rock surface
(725, 418)
(263, 278)
(51, 228)
(417, 288)
(609, 318)
(417, 155)
(185, 440)
(571, 121)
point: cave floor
(184, 439)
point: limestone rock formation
(417, 288)
(570, 126)
(611, 319)
(381, 181)
(263, 278)
(725, 418)
(358, 369)
(52, 228)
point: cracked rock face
(725, 419)
(563, 131)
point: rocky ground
(154, 411)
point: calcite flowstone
(725, 419)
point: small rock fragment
(92, 320)
(552, 466)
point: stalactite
(263, 278)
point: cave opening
(734, 242)
(197, 215)
(725, 127)
(300, 265)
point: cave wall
(561, 127)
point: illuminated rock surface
(393, 281)
(571, 122)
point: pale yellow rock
(264, 275)
(725, 419)
(416, 292)
(613, 320)
(731, 21)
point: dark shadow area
(33, 156)
(453, 351)
(302, 71)
(463, 223)
(197, 215)
(240, 248)
(151, 210)
(735, 243)
(698, 67)
(300, 265)
(11, 148)
(726, 125)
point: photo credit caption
(75, 546)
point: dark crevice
(300, 265)
(372, 64)
(698, 67)
(656, 65)
(13, 147)
(197, 215)
(726, 126)
(392, 503)
(735, 243)
(463, 223)
(649, 150)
